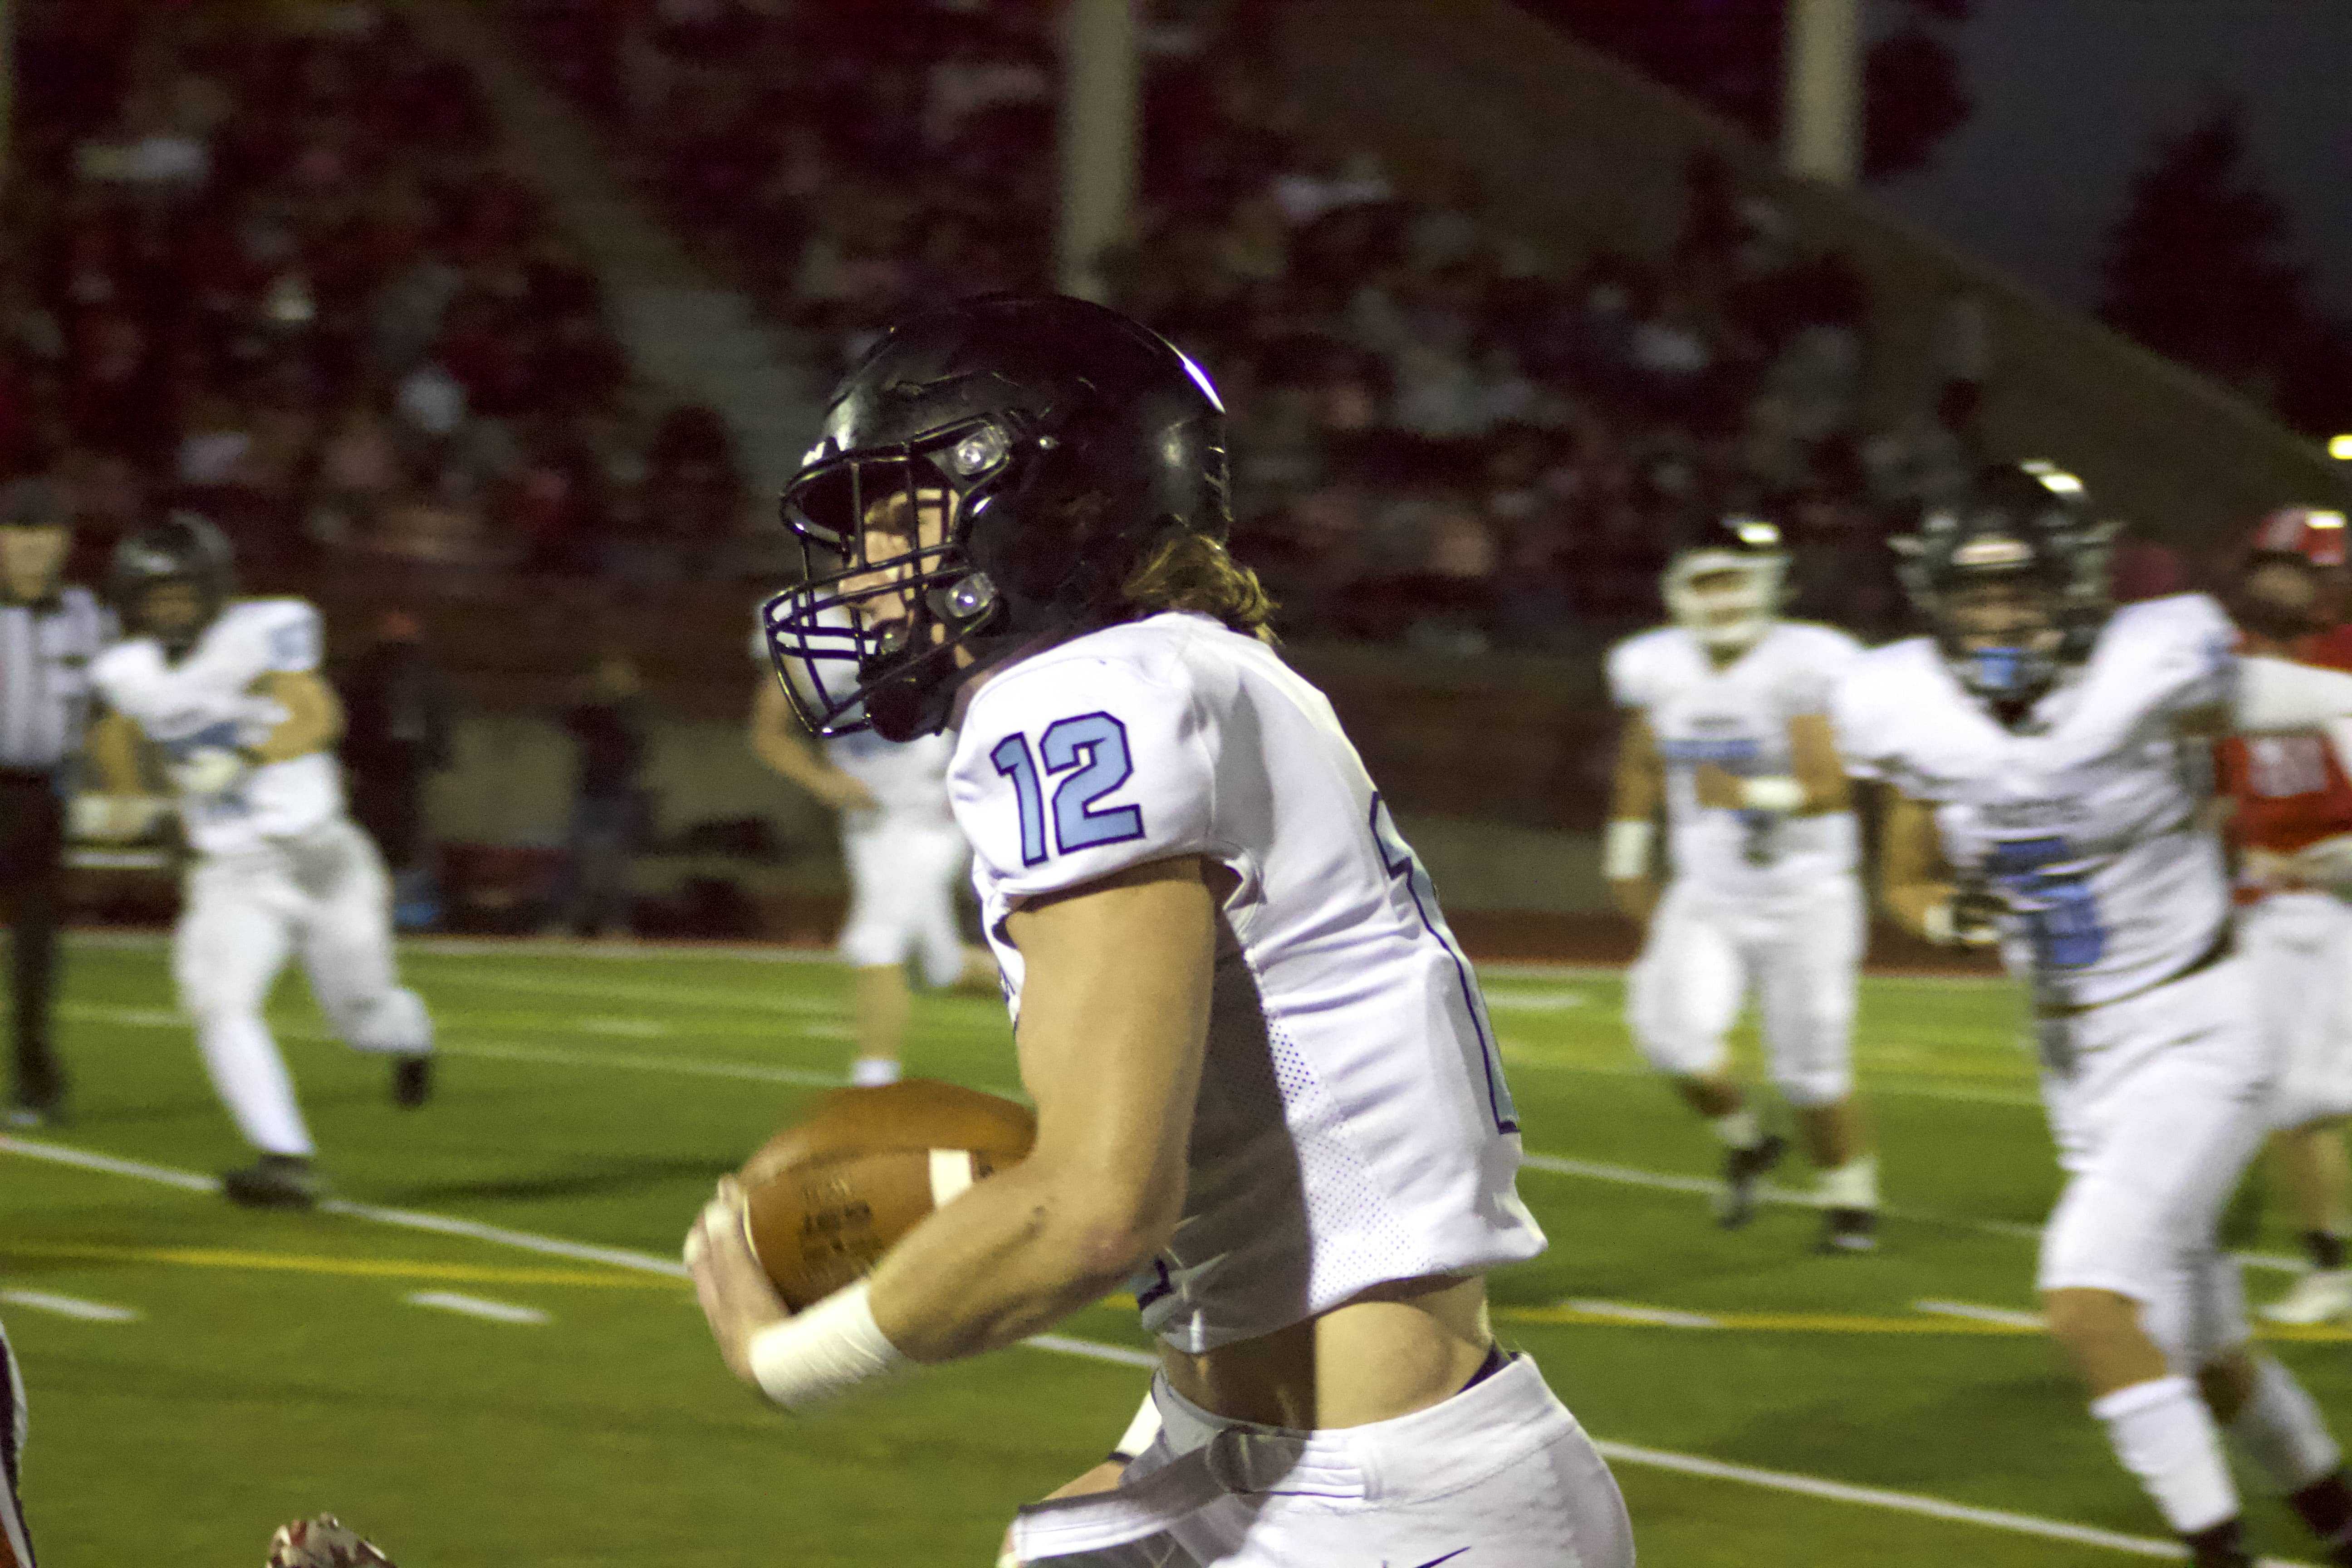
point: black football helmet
(2027, 525)
(990, 474)
(1743, 545)
(184, 548)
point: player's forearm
(1923, 908)
(113, 754)
(314, 720)
(1014, 1256)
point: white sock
(2165, 1435)
(250, 1077)
(1853, 1185)
(1741, 1129)
(2281, 1432)
(873, 1072)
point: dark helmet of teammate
(990, 474)
(184, 550)
(2011, 576)
(1726, 578)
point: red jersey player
(2294, 828)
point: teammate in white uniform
(2054, 786)
(1266, 1088)
(230, 692)
(904, 853)
(1726, 726)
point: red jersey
(2290, 790)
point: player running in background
(2292, 825)
(904, 854)
(1727, 727)
(2048, 753)
(230, 692)
(1268, 1093)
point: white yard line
(750, 1072)
(1124, 1355)
(69, 1305)
(478, 1306)
(1902, 1502)
(2008, 1315)
(1661, 1317)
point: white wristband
(1936, 924)
(1779, 793)
(814, 1357)
(1625, 847)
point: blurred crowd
(1438, 436)
(266, 261)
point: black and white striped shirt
(44, 654)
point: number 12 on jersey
(1402, 864)
(1095, 746)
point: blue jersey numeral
(1095, 744)
(1013, 760)
(1099, 742)
(1402, 863)
(2060, 911)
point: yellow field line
(369, 1267)
(1848, 1323)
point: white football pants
(2163, 1108)
(1799, 953)
(1501, 1473)
(2300, 945)
(903, 869)
(324, 895)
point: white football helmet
(1726, 582)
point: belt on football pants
(1236, 1460)
(2225, 944)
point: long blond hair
(1194, 572)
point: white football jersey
(1737, 716)
(2088, 819)
(1353, 1125)
(208, 698)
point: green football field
(483, 1355)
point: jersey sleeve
(2187, 653)
(1629, 685)
(1850, 701)
(1812, 680)
(1081, 769)
(283, 638)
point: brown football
(825, 1198)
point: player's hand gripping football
(733, 1290)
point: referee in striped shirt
(48, 635)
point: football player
(2047, 749)
(1727, 727)
(1268, 1092)
(229, 691)
(2293, 824)
(904, 854)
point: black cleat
(274, 1182)
(1744, 1170)
(1848, 1231)
(412, 1081)
(2221, 1546)
(31, 1116)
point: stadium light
(2054, 479)
(2324, 520)
(2340, 447)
